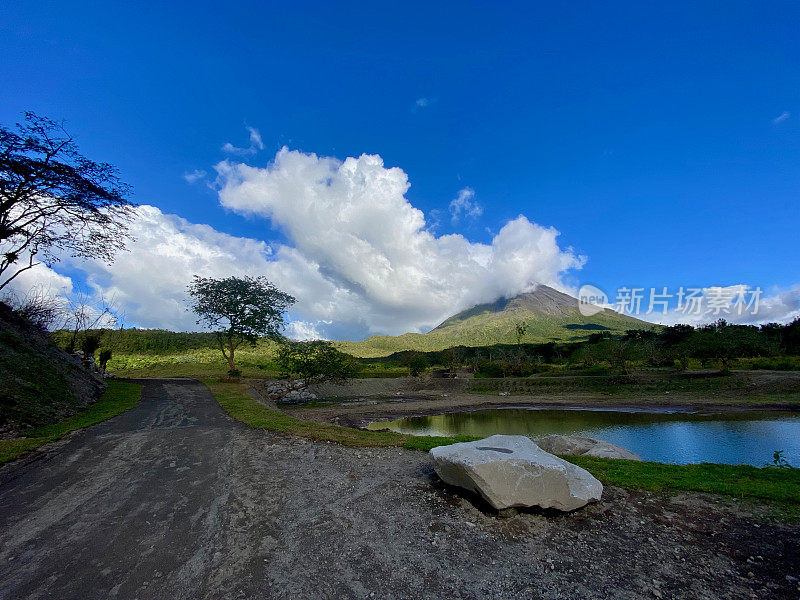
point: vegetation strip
(118, 397)
(779, 486)
(235, 400)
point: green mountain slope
(549, 314)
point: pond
(734, 437)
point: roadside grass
(235, 400)
(119, 397)
(771, 485)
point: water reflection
(733, 438)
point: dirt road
(175, 500)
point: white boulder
(573, 444)
(512, 471)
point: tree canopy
(238, 310)
(55, 201)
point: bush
(89, 345)
(489, 368)
(416, 362)
(105, 356)
(783, 363)
(315, 362)
(512, 367)
(38, 307)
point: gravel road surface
(174, 500)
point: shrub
(775, 364)
(315, 362)
(38, 307)
(105, 356)
(489, 368)
(89, 345)
(416, 362)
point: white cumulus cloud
(304, 330)
(42, 278)
(742, 304)
(360, 259)
(148, 281)
(361, 254)
(464, 204)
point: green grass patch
(779, 486)
(235, 400)
(119, 397)
(771, 485)
(198, 362)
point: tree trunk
(228, 355)
(231, 350)
(73, 341)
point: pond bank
(361, 401)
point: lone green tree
(54, 201)
(521, 328)
(416, 362)
(453, 358)
(239, 310)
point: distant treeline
(721, 340)
(716, 344)
(142, 341)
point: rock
(571, 444)
(512, 471)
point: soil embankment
(39, 383)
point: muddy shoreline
(360, 415)
(362, 401)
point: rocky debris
(512, 471)
(576, 445)
(288, 392)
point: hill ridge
(551, 315)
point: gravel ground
(175, 500)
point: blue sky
(661, 140)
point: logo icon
(591, 300)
